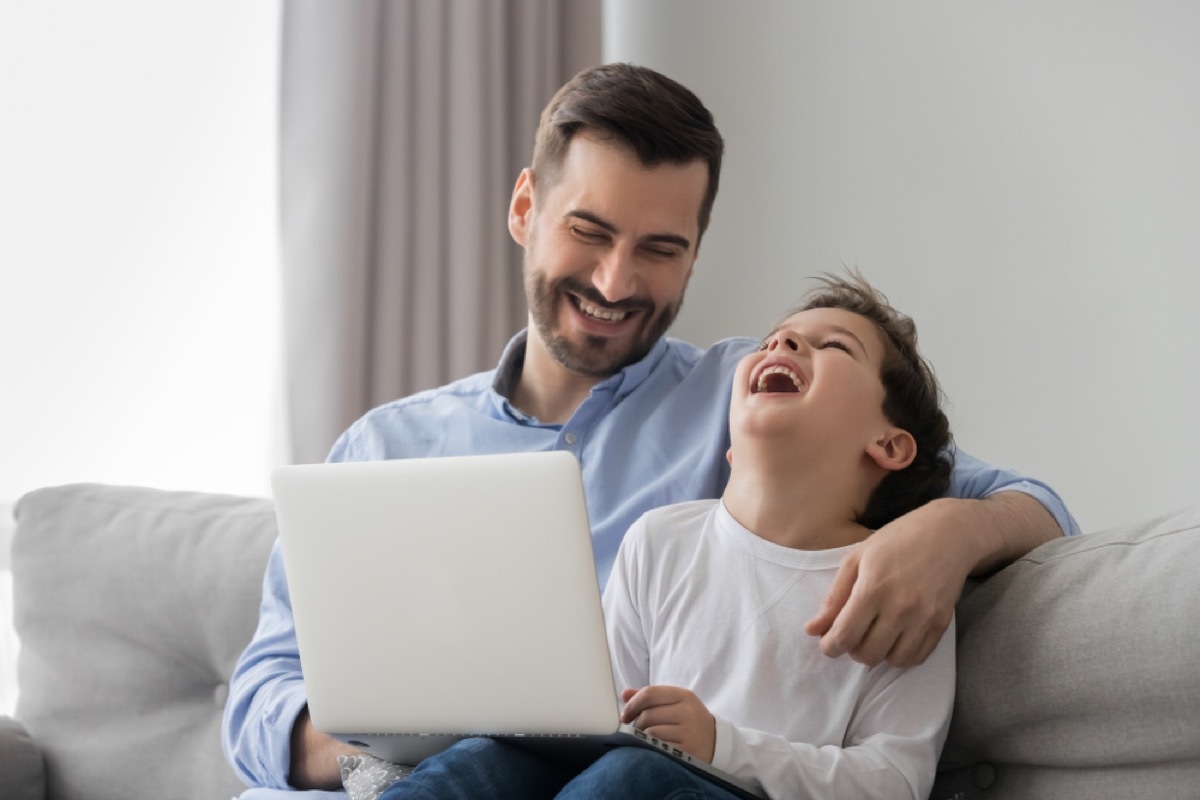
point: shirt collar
(620, 385)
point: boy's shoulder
(675, 519)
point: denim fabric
(631, 773)
(485, 769)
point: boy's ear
(729, 456)
(520, 207)
(894, 449)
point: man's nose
(615, 276)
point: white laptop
(441, 598)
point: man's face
(816, 376)
(609, 249)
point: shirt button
(570, 438)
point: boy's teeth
(779, 369)
(608, 315)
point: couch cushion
(22, 776)
(1078, 671)
(132, 606)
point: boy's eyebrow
(664, 238)
(852, 335)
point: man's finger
(910, 652)
(853, 624)
(835, 598)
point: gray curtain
(403, 125)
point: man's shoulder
(467, 389)
(724, 350)
(410, 426)
(685, 362)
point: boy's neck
(802, 507)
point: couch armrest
(22, 774)
(1077, 669)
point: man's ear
(894, 449)
(520, 207)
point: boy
(835, 430)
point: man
(611, 212)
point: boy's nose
(784, 339)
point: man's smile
(594, 311)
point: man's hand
(894, 596)
(314, 756)
(674, 715)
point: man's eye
(660, 253)
(588, 235)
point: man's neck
(545, 389)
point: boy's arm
(891, 747)
(894, 596)
(622, 619)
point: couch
(1079, 666)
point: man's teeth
(764, 377)
(606, 314)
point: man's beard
(592, 356)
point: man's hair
(912, 399)
(659, 120)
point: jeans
(486, 769)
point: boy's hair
(659, 120)
(912, 399)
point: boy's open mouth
(777, 378)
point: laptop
(441, 598)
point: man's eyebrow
(664, 238)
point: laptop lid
(484, 560)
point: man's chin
(596, 357)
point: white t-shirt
(696, 600)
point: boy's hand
(674, 715)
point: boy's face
(609, 248)
(814, 382)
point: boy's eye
(836, 344)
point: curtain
(403, 126)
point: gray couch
(1079, 665)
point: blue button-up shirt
(654, 433)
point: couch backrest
(132, 606)
(1077, 670)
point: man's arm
(314, 756)
(266, 733)
(894, 596)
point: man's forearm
(314, 756)
(1002, 528)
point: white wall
(1023, 178)
(138, 274)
